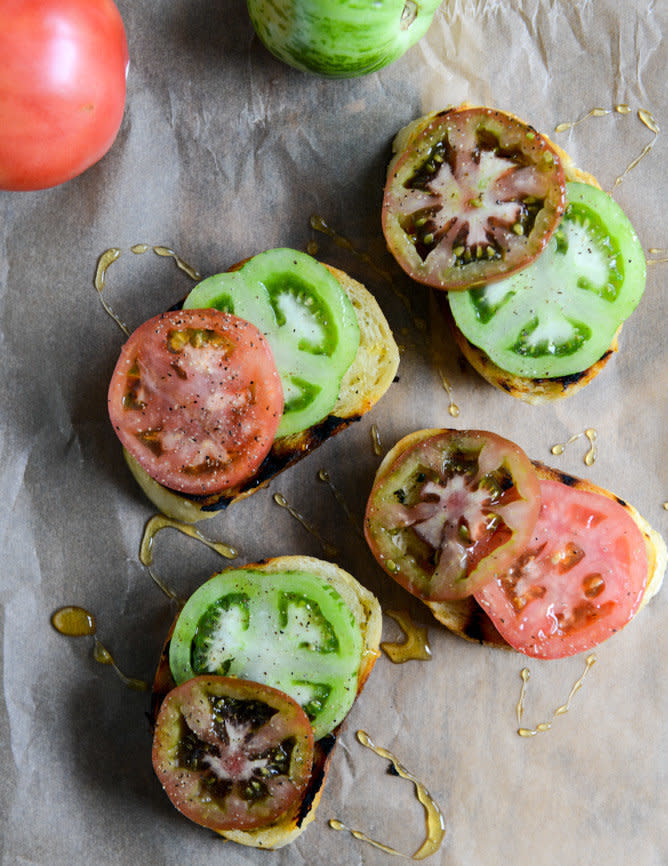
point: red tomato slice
(451, 509)
(196, 398)
(232, 754)
(474, 196)
(579, 581)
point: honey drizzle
(560, 711)
(376, 443)
(621, 108)
(525, 674)
(329, 549)
(168, 252)
(319, 224)
(590, 457)
(335, 824)
(160, 521)
(453, 408)
(104, 262)
(112, 255)
(663, 256)
(649, 121)
(74, 621)
(415, 646)
(435, 822)
(323, 475)
(646, 118)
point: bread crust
(366, 381)
(367, 614)
(465, 617)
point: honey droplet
(101, 654)
(591, 455)
(376, 443)
(453, 408)
(73, 621)
(328, 548)
(415, 645)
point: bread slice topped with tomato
(258, 673)
(537, 267)
(259, 367)
(507, 551)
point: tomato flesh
(558, 316)
(307, 318)
(291, 630)
(580, 579)
(195, 397)
(451, 512)
(62, 88)
(232, 754)
(475, 196)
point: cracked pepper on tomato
(556, 568)
(199, 395)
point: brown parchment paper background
(224, 152)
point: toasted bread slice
(465, 617)
(367, 614)
(368, 378)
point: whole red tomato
(62, 88)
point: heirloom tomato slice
(451, 511)
(231, 754)
(580, 579)
(307, 318)
(474, 196)
(196, 399)
(560, 315)
(291, 630)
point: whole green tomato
(341, 38)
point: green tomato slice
(307, 318)
(559, 316)
(289, 630)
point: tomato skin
(340, 38)
(62, 88)
(196, 398)
(449, 510)
(581, 578)
(472, 195)
(213, 734)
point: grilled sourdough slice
(368, 378)
(367, 615)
